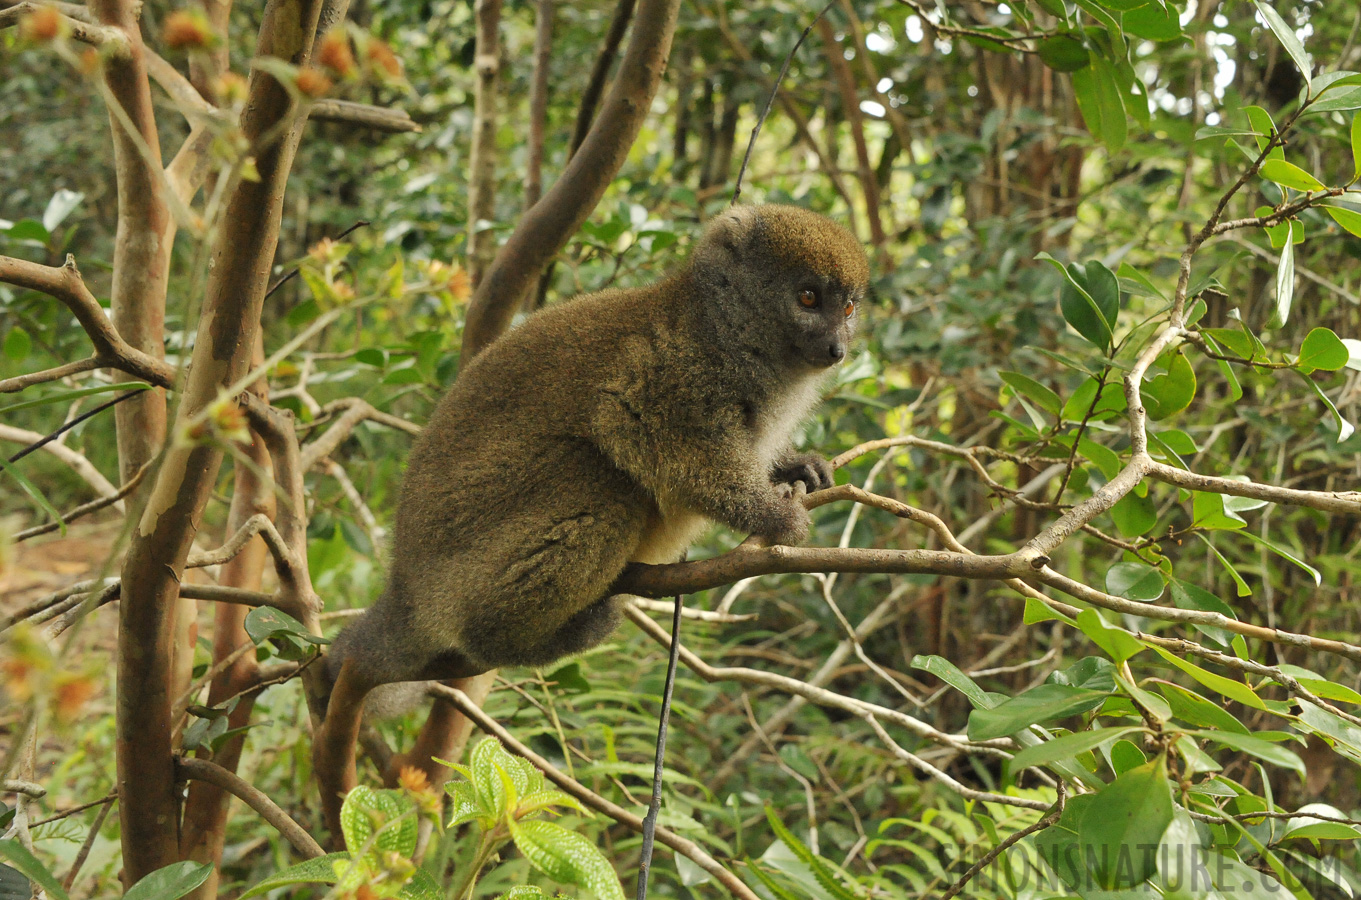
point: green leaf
(1134, 581)
(821, 872)
(1129, 814)
(1119, 644)
(422, 886)
(1088, 101)
(1260, 748)
(384, 817)
(949, 673)
(1234, 690)
(1240, 584)
(1195, 709)
(1029, 387)
(1208, 510)
(17, 345)
(313, 871)
(1040, 704)
(171, 882)
(1134, 516)
(1356, 148)
(1089, 299)
(1064, 53)
(1286, 35)
(265, 622)
(566, 856)
(1290, 175)
(1125, 755)
(1113, 125)
(1286, 555)
(1066, 747)
(1342, 100)
(1322, 350)
(1167, 394)
(1344, 427)
(1350, 220)
(33, 870)
(1265, 128)
(1285, 284)
(1112, 400)
(30, 231)
(1153, 22)
(1189, 596)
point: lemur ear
(730, 232)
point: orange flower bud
(42, 25)
(334, 53)
(382, 57)
(313, 83)
(186, 29)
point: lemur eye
(848, 309)
(808, 297)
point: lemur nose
(837, 352)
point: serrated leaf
(1286, 35)
(821, 872)
(383, 820)
(566, 856)
(313, 871)
(545, 799)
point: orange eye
(849, 308)
(808, 297)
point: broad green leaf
(1094, 673)
(422, 886)
(1290, 175)
(1088, 102)
(1350, 220)
(1068, 746)
(1234, 690)
(171, 882)
(1208, 510)
(1029, 387)
(1286, 35)
(1089, 299)
(1328, 690)
(1125, 755)
(1112, 105)
(463, 806)
(29, 231)
(566, 856)
(1190, 596)
(1134, 516)
(1262, 124)
(1130, 813)
(1258, 747)
(1040, 704)
(313, 871)
(1310, 827)
(528, 892)
(384, 817)
(1344, 737)
(19, 857)
(1119, 644)
(1154, 22)
(1322, 350)
(1134, 581)
(1061, 846)
(1342, 100)
(1064, 53)
(1112, 400)
(1285, 284)
(1167, 394)
(1195, 709)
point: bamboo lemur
(603, 431)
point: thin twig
(655, 806)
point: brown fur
(607, 430)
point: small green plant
(505, 797)
(380, 826)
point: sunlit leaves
(1171, 391)
(1322, 350)
(1153, 21)
(1285, 284)
(1287, 174)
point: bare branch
(363, 115)
(187, 769)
